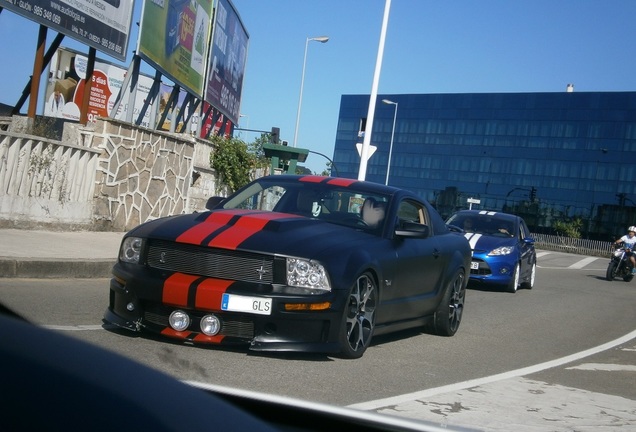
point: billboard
(174, 37)
(229, 56)
(101, 24)
(65, 89)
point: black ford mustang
(294, 263)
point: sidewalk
(53, 254)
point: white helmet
(632, 229)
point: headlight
(503, 250)
(131, 250)
(306, 274)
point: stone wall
(139, 174)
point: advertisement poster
(174, 39)
(65, 89)
(229, 57)
(101, 24)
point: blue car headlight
(130, 250)
(502, 250)
(307, 274)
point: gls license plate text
(255, 305)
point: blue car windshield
(484, 224)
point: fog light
(504, 270)
(210, 325)
(179, 320)
(130, 307)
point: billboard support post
(38, 66)
(47, 59)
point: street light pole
(388, 165)
(321, 39)
(247, 123)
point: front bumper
(138, 301)
(492, 270)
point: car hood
(255, 231)
(484, 243)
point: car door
(419, 267)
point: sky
(443, 46)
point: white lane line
(74, 327)
(396, 400)
(540, 254)
(582, 263)
(603, 367)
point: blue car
(503, 253)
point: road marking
(540, 254)
(582, 263)
(74, 327)
(396, 400)
(604, 367)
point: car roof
(334, 181)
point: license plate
(238, 303)
(474, 265)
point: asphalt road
(500, 355)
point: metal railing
(572, 245)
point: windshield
(329, 203)
(483, 224)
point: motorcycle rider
(629, 241)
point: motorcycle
(619, 265)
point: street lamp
(247, 123)
(321, 39)
(388, 165)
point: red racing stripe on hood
(213, 222)
(244, 228)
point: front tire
(451, 309)
(533, 274)
(514, 280)
(611, 271)
(358, 318)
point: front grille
(211, 262)
(484, 269)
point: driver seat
(372, 212)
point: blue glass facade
(544, 156)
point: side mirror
(214, 202)
(528, 240)
(413, 230)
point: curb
(54, 268)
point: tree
(569, 228)
(235, 161)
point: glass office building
(544, 156)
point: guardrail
(572, 245)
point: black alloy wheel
(451, 309)
(358, 320)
